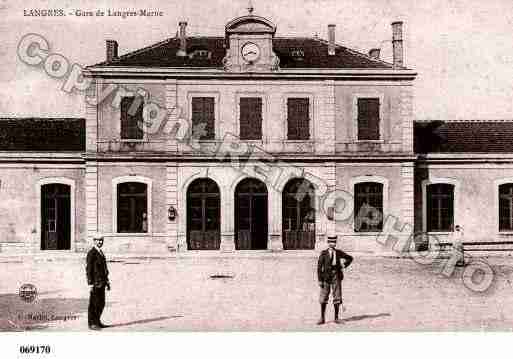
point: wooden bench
(472, 246)
(477, 247)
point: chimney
(397, 44)
(183, 39)
(331, 39)
(112, 50)
(374, 53)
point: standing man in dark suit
(330, 272)
(98, 280)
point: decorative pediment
(250, 24)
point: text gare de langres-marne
(85, 13)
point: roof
(68, 134)
(163, 54)
(42, 134)
(463, 137)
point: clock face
(250, 52)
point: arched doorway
(203, 215)
(251, 214)
(132, 207)
(55, 216)
(298, 214)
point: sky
(461, 49)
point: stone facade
(476, 179)
(332, 159)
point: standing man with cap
(330, 272)
(98, 280)
(457, 245)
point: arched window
(368, 207)
(203, 215)
(132, 207)
(56, 216)
(298, 214)
(440, 207)
(506, 207)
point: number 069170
(35, 349)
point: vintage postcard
(261, 166)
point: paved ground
(265, 293)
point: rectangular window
(132, 207)
(298, 119)
(440, 207)
(131, 116)
(506, 207)
(368, 205)
(250, 118)
(203, 118)
(368, 119)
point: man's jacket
(325, 268)
(96, 268)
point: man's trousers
(333, 285)
(96, 305)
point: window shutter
(125, 105)
(129, 121)
(209, 108)
(298, 119)
(368, 119)
(250, 118)
(292, 120)
(203, 113)
(304, 128)
(244, 119)
(138, 117)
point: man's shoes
(321, 321)
(101, 325)
(95, 327)
(338, 321)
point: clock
(250, 52)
